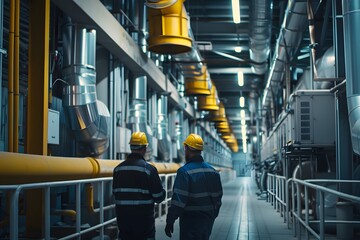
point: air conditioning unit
(311, 118)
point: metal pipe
(16, 76)
(89, 118)
(290, 36)
(18, 168)
(11, 77)
(260, 34)
(2, 51)
(164, 139)
(351, 17)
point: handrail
(322, 190)
(16, 190)
(279, 185)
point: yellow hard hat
(138, 138)
(194, 141)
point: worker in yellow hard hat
(136, 186)
(197, 194)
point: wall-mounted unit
(311, 118)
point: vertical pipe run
(1, 47)
(16, 76)
(11, 77)
(351, 18)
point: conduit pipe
(11, 77)
(18, 168)
(288, 42)
(16, 76)
(351, 16)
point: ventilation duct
(288, 42)
(168, 27)
(190, 62)
(210, 102)
(89, 118)
(138, 111)
(198, 85)
(164, 139)
(179, 136)
(260, 34)
(219, 115)
(351, 16)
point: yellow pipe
(65, 212)
(16, 77)
(18, 168)
(11, 76)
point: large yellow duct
(198, 85)
(168, 27)
(210, 102)
(17, 168)
(219, 115)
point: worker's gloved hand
(169, 229)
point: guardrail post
(344, 211)
(322, 216)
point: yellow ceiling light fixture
(236, 10)
(240, 76)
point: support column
(37, 112)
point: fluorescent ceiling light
(242, 113)
(240, 78)
(242, 101)
(236, 10)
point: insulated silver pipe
(164, 139)
(89, 118)
(288, 42)
(351, 16)
(260, 34)
(138, 111)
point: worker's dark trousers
(195, 227)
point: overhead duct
(190, 62)
(179, 122)
(138, 111)
(219, 115)
(164, 139)
(210, 102)
(89, 118)
(351, 17)
(168, 27)
(288, 42)
(198, 85)
(260, 34)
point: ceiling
(212, 23)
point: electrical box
(53, 126)
(311, 118)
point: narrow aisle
(242, 216)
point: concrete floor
(242, 216)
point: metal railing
(16, 193)
(277, 193)
(297, 211)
